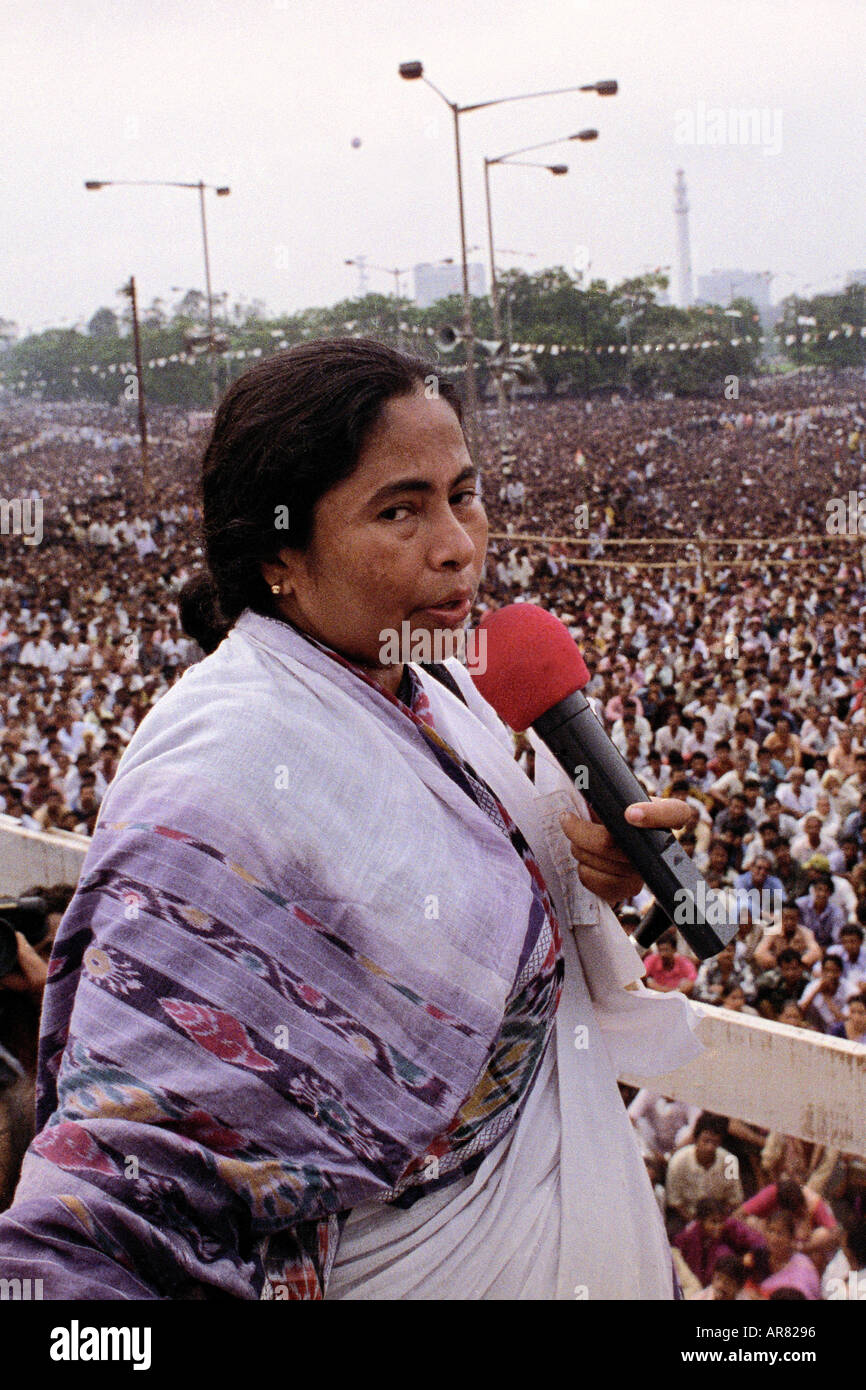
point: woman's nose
(451, 543)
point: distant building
(434, 282)
(723, 286)
(684, 253)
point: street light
(414, 71)
(222, 191)
(557, 170)
(363, 264)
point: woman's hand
(603, 868)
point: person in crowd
(824, 919)
(722, 973)
(712, 1235)
(702, 1169)
(852, 954)
(787, 934)
(853, 1024)
(824, 1001)
(782, 984)
(666, 970)
(790, 1269)
(728, 1282)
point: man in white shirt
(794, 796)
(698, 739)
(731, 783)
(671, 735)
(810, 841)
(703, 1169)
(853, 787)
(818, 736)
(718, 718)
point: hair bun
(201, 617)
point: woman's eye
(392, 513)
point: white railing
(31, 858)
(786, 1079)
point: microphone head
(530, 663)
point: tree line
(619, 337)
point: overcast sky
(268, 96)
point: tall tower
(684, 255)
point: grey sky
(267, 95)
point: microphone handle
(582, 748)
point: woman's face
(404, 535)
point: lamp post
(92, 185)
(558, 170)
(364, 264)
(414, 71)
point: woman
(316, 1023)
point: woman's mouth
(448, 614)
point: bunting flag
(24, 378)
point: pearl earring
(275, 589)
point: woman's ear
(281, 572)
(274, 575)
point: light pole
(414, 71)
(364, 264)
(222, 192)
(558, 170)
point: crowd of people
(732, 678)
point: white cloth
(563, 1207)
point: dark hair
(789, 954)
(706, 1207)
(285, 433)
(708, 1123)
(732, 1267)
(789, 1196)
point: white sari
(562, 1208)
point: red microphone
(534, 675)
